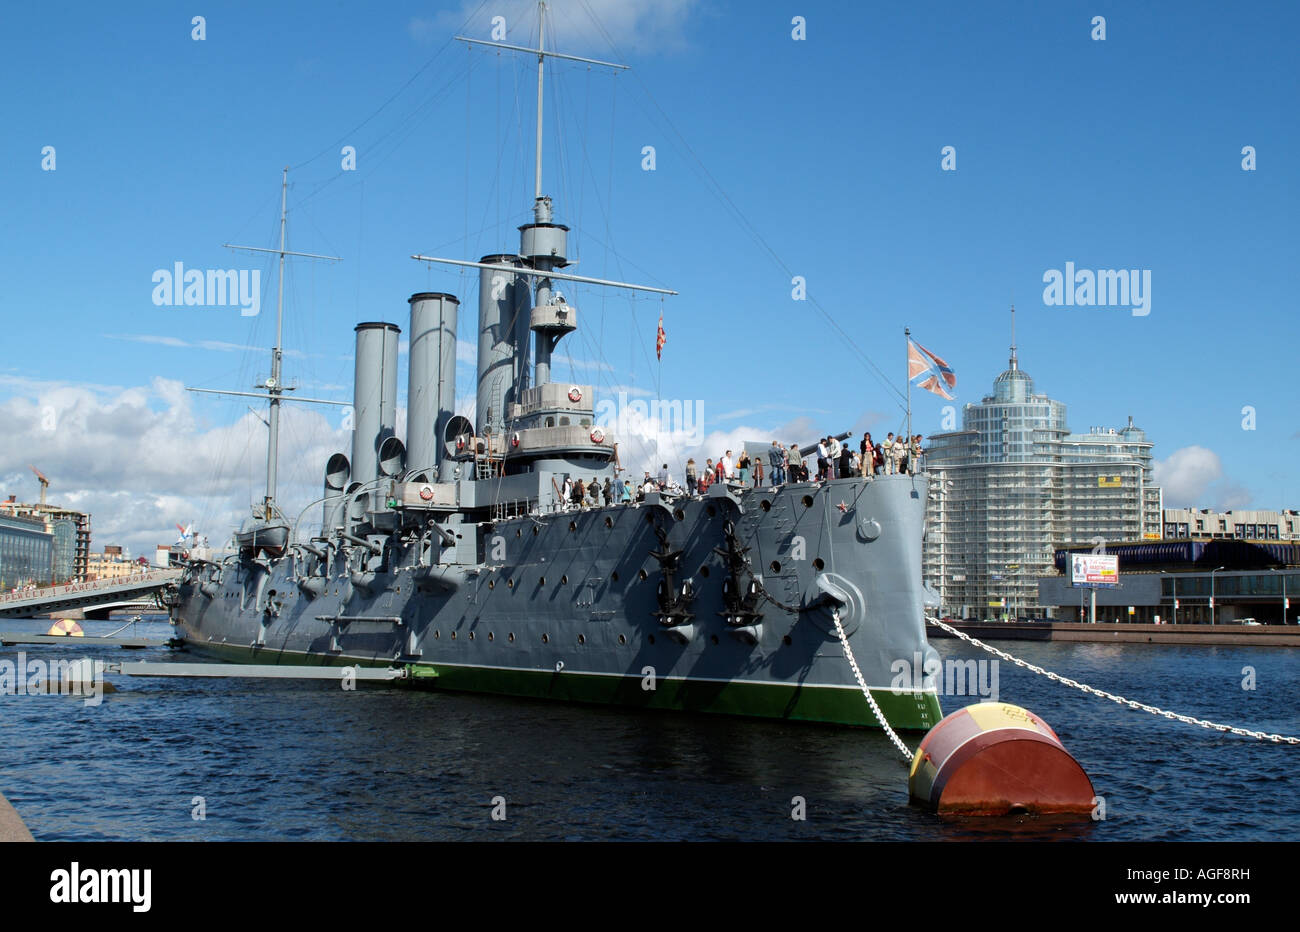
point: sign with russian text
(1094, 569)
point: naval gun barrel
(362, 542)
(812, 447)
(314, 551)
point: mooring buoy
(65, 627)
(994, 759)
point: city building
(1214, 581)
(110, 564)
(71, 530)
(1014, 485)
(26, 552)
(1202, 523)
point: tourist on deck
(692, 477)
(900, 453)
(916, 454)
(609, 492)
(758, 470)
(823, 451)
(834, 448)
(710, 473)
(776, 464)
(742, 467)
(728, 466)
(593, 492)
(845, 462)
(627, 490)
(794, 463)
(706, 479)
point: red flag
(660, 339)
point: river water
(283, 760)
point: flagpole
(907, 350)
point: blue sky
(774, 157)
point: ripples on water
(282, 760)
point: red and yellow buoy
(66, 627)
(997, 759)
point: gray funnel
(431, 382)
(374, 397)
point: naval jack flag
(660, 339)
(933, 371)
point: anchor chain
(875, 709)
(1131, 703)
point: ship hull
(564, 607)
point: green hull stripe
(831, 704)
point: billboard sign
(1094, 569)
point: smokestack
(374, 413)
(431, 385)
(503, 303)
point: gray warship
(451, 553)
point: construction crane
(45, 483)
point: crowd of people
(832, 459)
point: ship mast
(273, 387)
(541, 204)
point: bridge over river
(99, 595)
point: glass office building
(1013, 485)
(26, 553)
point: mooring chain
(875, 709)
(1131, 703)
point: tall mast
(541, 59)
(272, 389)
(273, 383)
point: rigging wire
(743, 220)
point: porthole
(541, 580)
(471, 635)
(511, 637)
(546, 639)
(534, 530)
(564, 580)
(510, 583)
(491, 637)
(622, 639)
(776, 567)
(711, 511)
(453, 635)
(582, 639)
(713, 639)
(642, 574)
(609, 522)
(519, 532)
(786, 640)
(704, 571)
(679, 514)
(819, 564)
(765, 505)
(649, 517)
(614, 576)
(492, 583)
(807, 501)
(436, 635)
(573, 526)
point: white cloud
(633, 25)
(140, 459)
(1193, 477)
